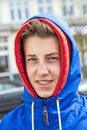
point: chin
(45, 96)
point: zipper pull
(45, 113)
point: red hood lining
(65, 55)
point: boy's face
(43, 64)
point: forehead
(41, 45)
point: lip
(44, 83)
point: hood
(71, 72)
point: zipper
(45, 114)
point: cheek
(56, 69)
(29, 71)
(56, 73)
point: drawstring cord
(32, 115)
(59, 116)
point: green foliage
(79, 40)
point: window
(68, 7)
(3, 43)
(50, 9)
(3, 39)
(19, 14)
(19, 10)
(12, 14)
(46, 7)
(84, 8)
(41, 10)
(26, 13)
(71, 10)
(3, 64)
(68, 10)
(64, 10)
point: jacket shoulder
(11, 119)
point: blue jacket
(66, 110)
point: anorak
(66, 109)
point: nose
(42, 69)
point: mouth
(44, 83)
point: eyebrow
(50, 54)
(53, 53)
(30, 55)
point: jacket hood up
(71, 71)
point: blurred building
(14, 13)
